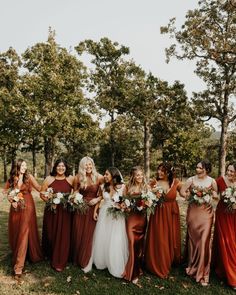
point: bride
(110, 243)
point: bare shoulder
(49, 180)
(100, 178)
(71, 179)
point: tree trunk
(49, 146)
(4, 166)
(34, 158)
(223, 145)
(147, 139)
(112, 140)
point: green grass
(41, 279)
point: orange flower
(199, 194)
(20, 196)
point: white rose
(79, 198)
(59, 195)
(56, 201)
(140, 208)
(127, 202)
(232, 200)
(207, 198)
(116, 198)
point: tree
(108, 80)
(208, 36)
(56, 94)
(11, 106)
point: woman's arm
(184, 191)
(44, 188)
(34, 183)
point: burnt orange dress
(136, 227)
(57, 229)
(83, 229)
(23, 231)
(163, 243)
(224, 245)
(199, 224)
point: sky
(133, 23)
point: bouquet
(16, 197)
(146, 203)
(200, 195)
(77, 203)
(54, 199)
(121, 206)
(229, 196)
(158, 191)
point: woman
(88, 181)
(110, 244)
(224, 243)
(135, 226)
(22, 226)
(163, 243)
(199, 189)
(57, 222)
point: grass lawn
(41, 279)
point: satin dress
(56, 234)
(224, 242)
(198, 241)
(83, 229)
(23, 231)
(136, 227)
(163, 242)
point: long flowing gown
(224, 242)
(83, 229)
(110, 243)
(57, 229)
(23, 231)
(199, 224)
(136, 227)
(163, 243)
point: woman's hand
(95, 216)
(94, 201)
(14, 204)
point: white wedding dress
(110, 242)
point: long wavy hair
(15, 172)
(82, 172)
(231, 164)
(116, 178)
(132, 182)
(169, 170)
(54, 169)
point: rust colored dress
(83, 229)
(224, 243)
(23, 231)
(136, 227)
(57, 229)
(199, 223)
(163, 243)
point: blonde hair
(82, 172)
(132, 182)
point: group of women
(125, 245)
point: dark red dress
(23, 231)
(136, 227)
(163, 243)
(83, 228)
(57, 229)
(224, 242)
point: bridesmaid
(57, 225)
(199, 224)
(22, 226)
(224, 242)
(88, 181)
(163, 243)
(136, 226)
